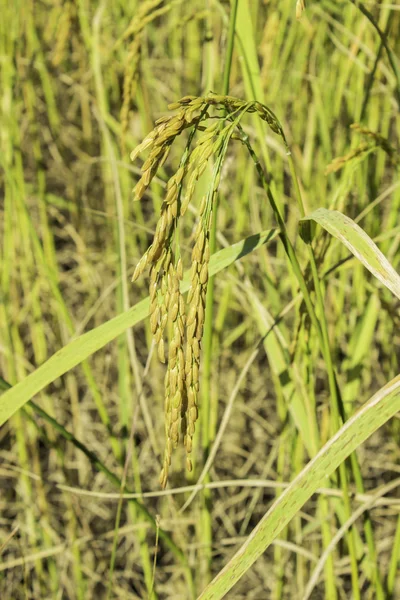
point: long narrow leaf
(379, 409)
(85, 345)
(359, 243)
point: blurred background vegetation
(82, 83)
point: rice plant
(199, 378)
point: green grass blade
(85, 345)
(247, 39)
(379, 409)
(359, 243)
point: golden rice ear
(178, 344)
(147, 142)
(300, 8)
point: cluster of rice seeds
(196, 301)
(159, 254)
(175, 386)
(147, 12)
(379, 140)
(207, 145)
(232, 105)
(375, 140)
(167, 306)
(340, 161)
(159, 142)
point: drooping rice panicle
(168, 315)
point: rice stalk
(374, 141)
(163, 257)
(148, 11)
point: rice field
(199, 300)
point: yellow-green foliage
(267, 243)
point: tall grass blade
(85, 345)
(379, 409)
(359, 243)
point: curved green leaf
(82, 347)
(379, 409)
(359, 243)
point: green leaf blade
(359, 243)
(81, 348)
(379, 409)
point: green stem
(391, 56)
(206, 519)
(229, 49)
(394, 563)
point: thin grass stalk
(394, 564)
(284, 236)
(371, 77)
(279, 552)
(209, 85)
(391, 56)
(206, 517)
(253, 82)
